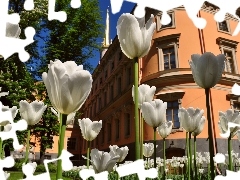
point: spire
(106, 41)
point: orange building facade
(167, 67)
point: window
(117, 125)
(102, 137)
(71, 143)
(120, 56)
(170, 25)
(127, 124)
(169, 58)
(168, 51)
(99, 104)
(100, 81)
(229, 61)
(223, 26)
(228, 48)
(106, 74)
(111, 92)
(109, 129)
(105, 98)
(235, 105)
(119, 85)
(172, 113)
(129, 72)
(112, 65)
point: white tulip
(207, 69)
(200, 127)
(70, 117)
(145, 94)
(102, 161)
(68, 85)
(190, 118)
(12, 30)
(134, 36)
(165, 129)
(154, 112)
(148, 149)
(90, 129)
(32, 112)
(228, 117)
(121, 152)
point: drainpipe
(203, 50)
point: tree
(76, 38)
(48, 125)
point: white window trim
(229, 45)
(165, 42)
(159, 25)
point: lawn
(19, 175)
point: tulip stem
(88, 152)
(164, 158)
(141, 135)
(1, 143)
(137, 143)
(27, 148)
(195, 162)
(190, 155)
(155, 152)
(187, 144)
(210, 133)
(230, 153)
(63, 120)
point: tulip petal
(128, 34)
(200, 127)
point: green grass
(19, 175)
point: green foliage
(51, 167)
(48, 126)
(15, 79)
(76, 38)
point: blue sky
(113, 18)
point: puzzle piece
(137, 167)
(61, 15)
(192, 9)
(230, 175)
(66, 166)
(86, 173)
(10, 45)
(8, 162)
(18, 126)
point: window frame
(117, 128)
(172, 114)
(167, 42)
(109, 132)
(229, 45)
(228, 26)
(127, 124)
(159, 25)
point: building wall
(173, 84)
